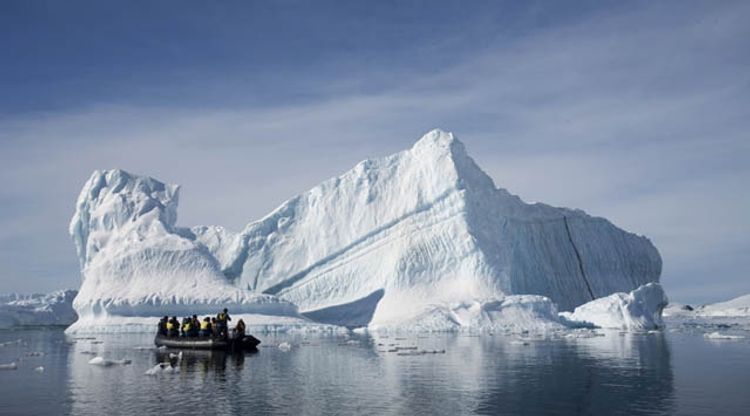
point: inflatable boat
(245, 343)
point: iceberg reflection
(384, 375)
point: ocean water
(665, 373)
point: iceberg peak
(440, 144)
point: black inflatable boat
(246, 343)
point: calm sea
(680, 373)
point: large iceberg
(381, 244)
(55, 308)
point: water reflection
(201, 362)
(615, 374)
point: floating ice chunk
(39, 369)
(9, 343)
(638, 310)
(102, 362)
(162, 368)
(157, 369)
(171, 370)
(717, 335)
(285, 346)
(10, 366)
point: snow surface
(55, 308)
(515, 313)
(737, 307)
(640, 309)
(380, 245)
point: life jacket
(186, 327)
(221, 317)
(170, 326)
(205, 325)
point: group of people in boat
(194, 327)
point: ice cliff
(388, 241)
(55, 308)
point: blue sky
(635, 111)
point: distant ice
(717, 335)
(737, 307)
(55, 308)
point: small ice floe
(39, 369)
(101, 361)
(518, 342)
(35, 354)
(144, 348)
(9, 366)
(171, 369)
(9, 343)
(421, 352)
(285, 346)
(717, 335)
(162, 368)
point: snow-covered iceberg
(378, 245)
(735, 308)
(640, 309)
(55, 308)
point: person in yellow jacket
(205, 327)
(173, 327)
(186, 324)
(221, 322)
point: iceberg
(638, 310)
(738, 307)
(380, 245)
(55, 308)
